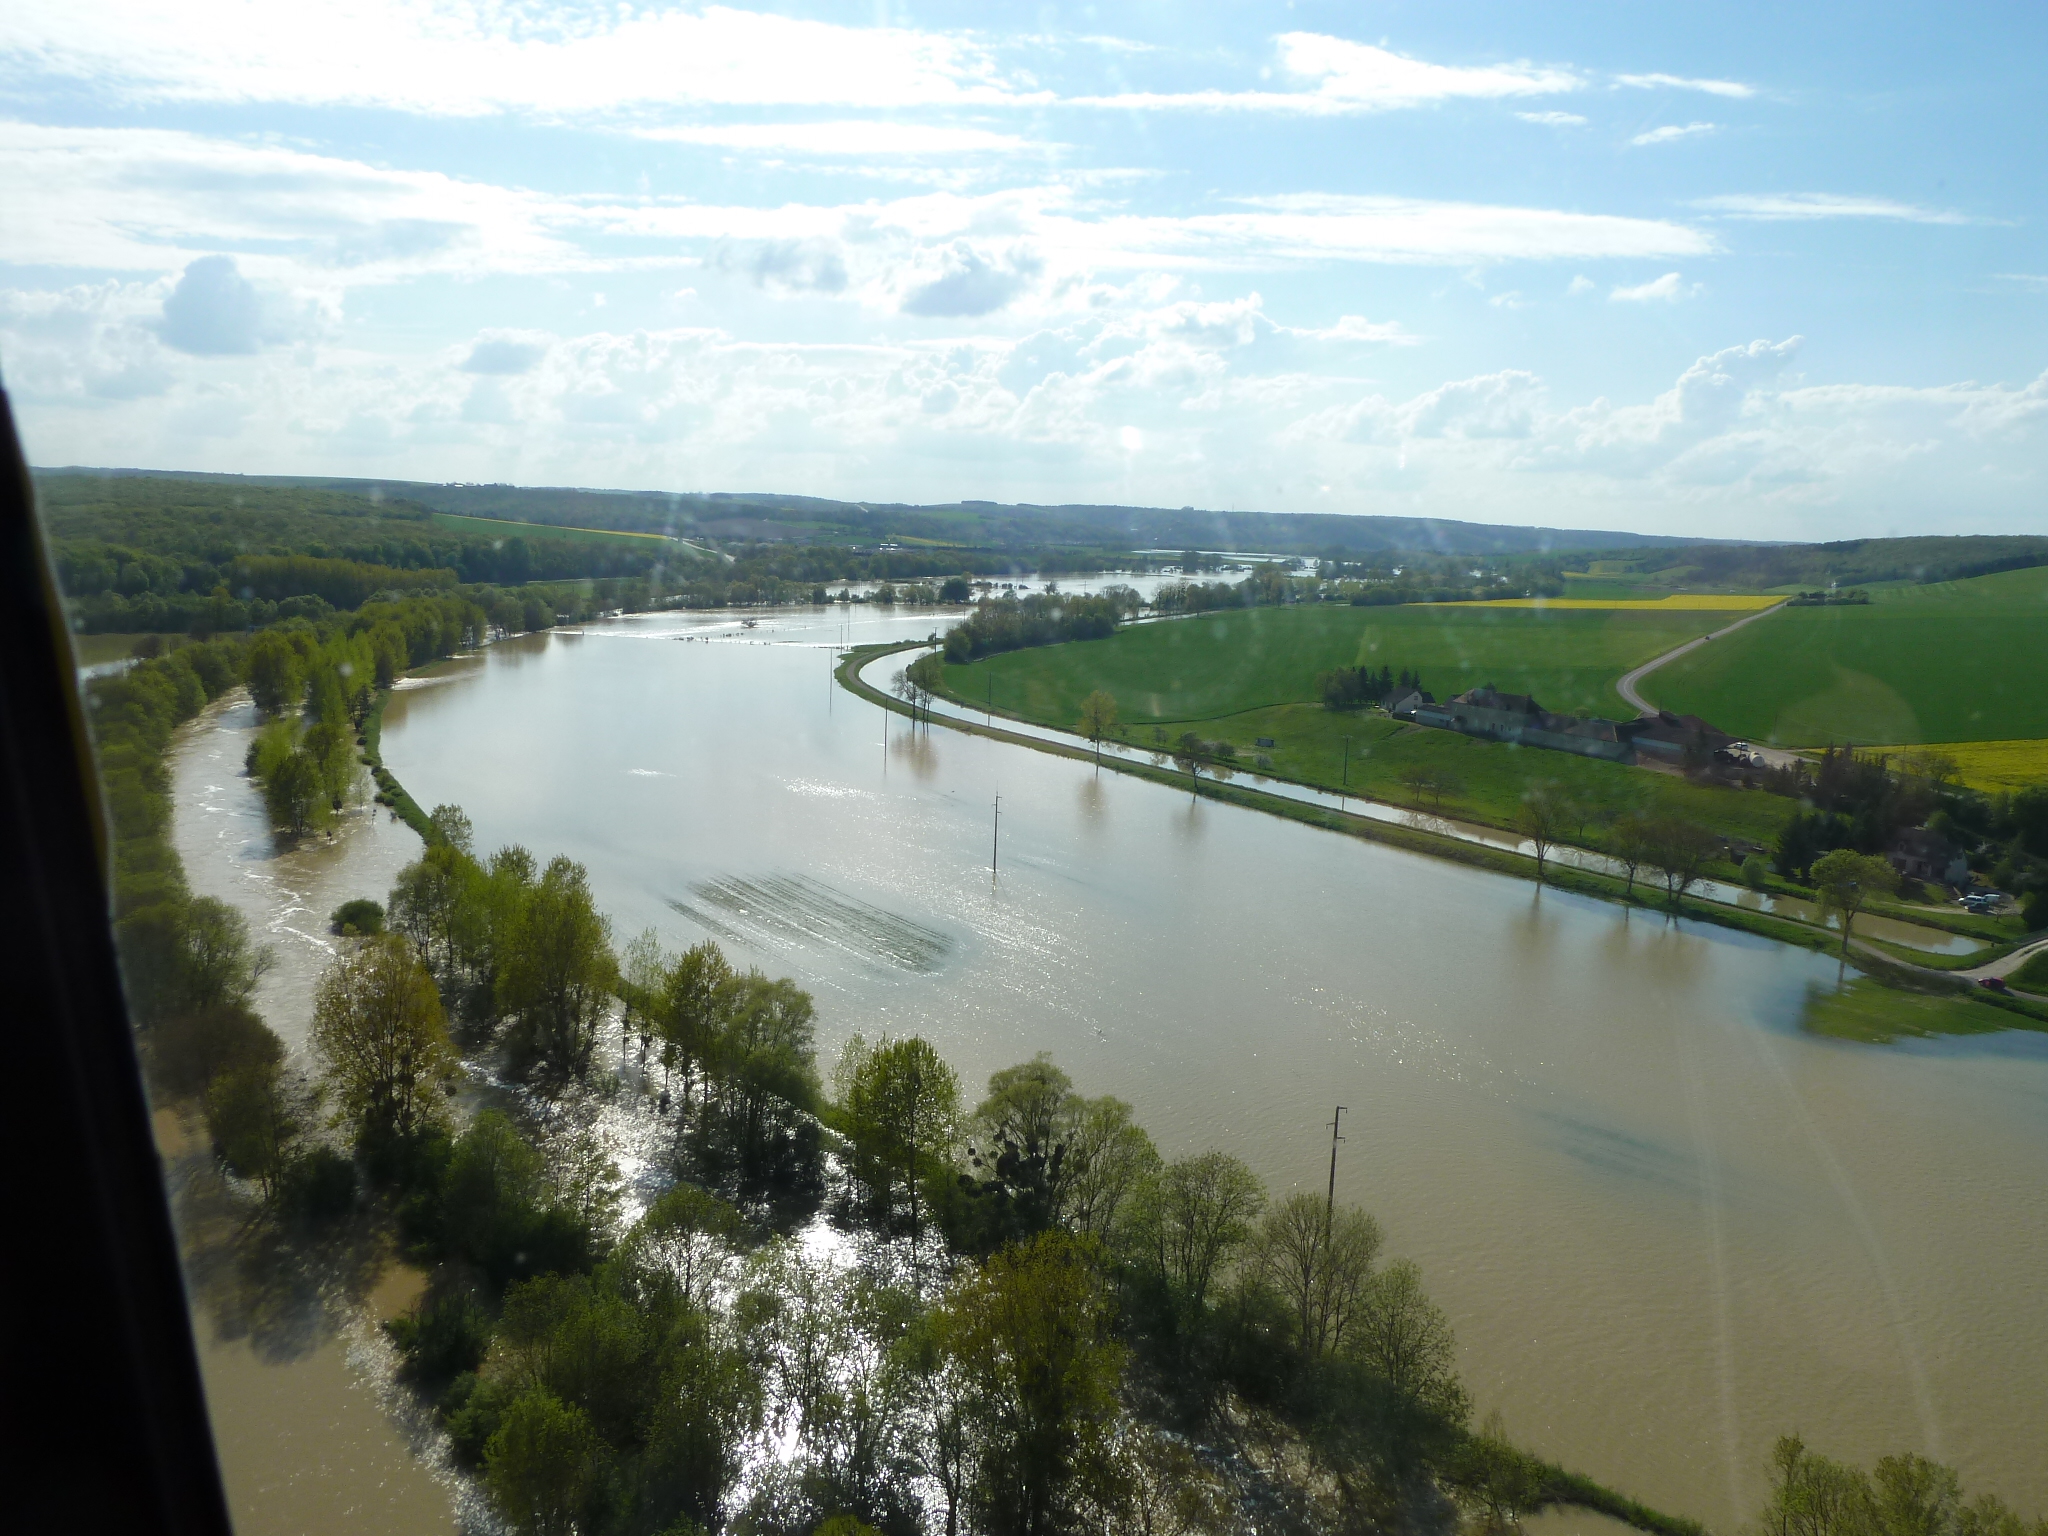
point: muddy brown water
(1667, 1225)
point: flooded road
(1667, 1225)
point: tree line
(1356, 687)
(1010, 623)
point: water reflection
(1636, 1187)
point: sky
(1736, 271)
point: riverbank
(1421, 839)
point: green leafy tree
(767, 1053)
(1108, 1158)
(1406, 1340)
(1191, 1220)
(687, 1236)
(1029, 1335)
(901, 1105)
(273, 673)
(557, 975)
(697, 998)
(254, 1122)
(1098, 719)
(1846, 881)
(378, 1028)
(221, 965)
(540, 1463)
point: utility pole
(1330, 1210)
(996, 842)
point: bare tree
(1541, 819)
(1321, 1263)
(1679, 850)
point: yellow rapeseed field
(1728, 602)
(1991, 765)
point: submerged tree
(1039, 1369)
(1190, 1220)
(557, 977)
(1321, 1263)
(901, 1104)
(377, 1025)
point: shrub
(360, 918)
(1755, 872)
(443, 1338)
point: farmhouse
(1919, 854)
(1516, 717)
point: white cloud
(1553, 119)
(1668, 289)
(1512, 299)
(1669, 132)
(213, 311)
(1580, 284)
(505, 353)
(1357, 77)
(2035, 280)
(970, 282)
(469, 57)
(1732, 88)
(1822, 205)
(153, 200)
(804, 265)
(847, 138)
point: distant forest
(761, 517)
(139, 552)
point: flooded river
(1667, 1225)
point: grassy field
(1309, 745)
(2033, 976)
(1619, 602)
(493, 528)
(92, 650)
(1962, 661)
(1222, 664)
(1866, 1010)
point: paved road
(1627, 685)
(2005, 967)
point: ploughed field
(1251, 673)
(1217, 664)
(1960, 661)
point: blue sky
(1738, 271)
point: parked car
(1993, 983)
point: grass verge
(389, 791)
(1869, 1010)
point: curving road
(1627, 686)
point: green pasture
(494, 528)
(1492, 777)
(1218, 664)
(1957, 661)
(1866, 1010)
(2033, 976)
